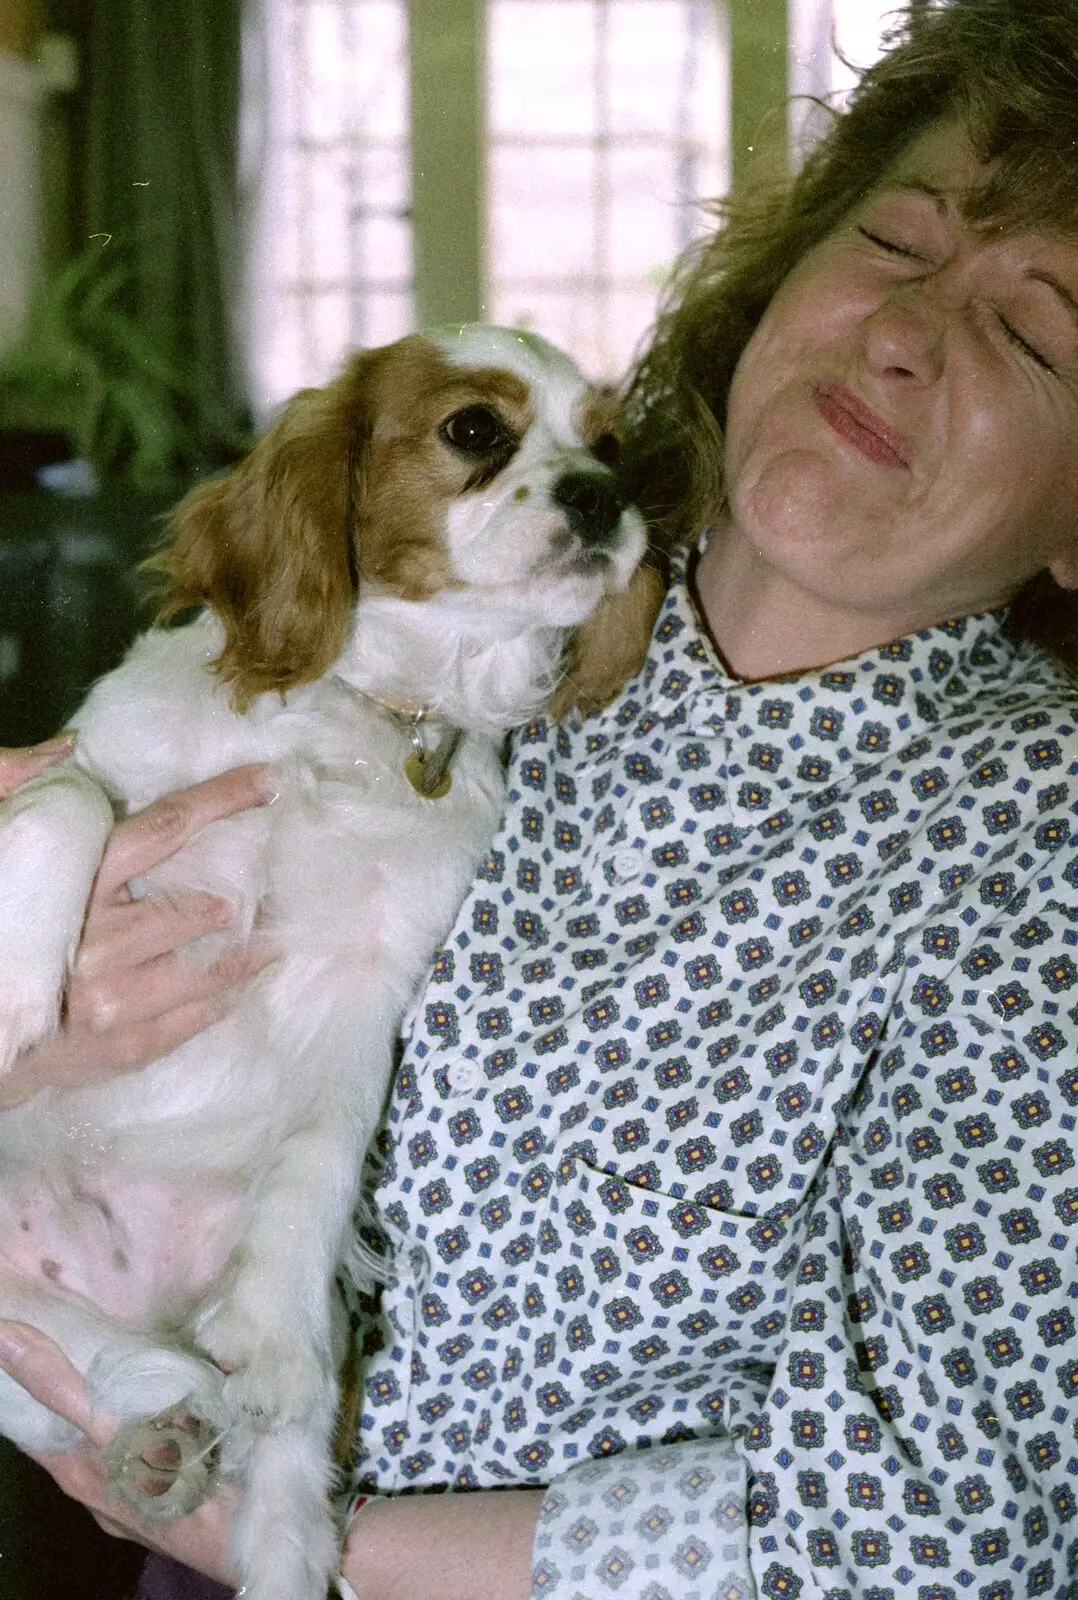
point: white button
(626, 864)
(463, 1075)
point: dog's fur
(425, 532)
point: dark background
(70, 599)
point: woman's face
(902, 434)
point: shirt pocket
(642, 1309)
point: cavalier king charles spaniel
(397, 575)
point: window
(326, 148)
(605, 130)
(859, 27)
(607, 124)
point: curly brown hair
(1008, 70)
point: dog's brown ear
(270, 547)
(609, 649)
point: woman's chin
(801, 501)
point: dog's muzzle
(593, 505)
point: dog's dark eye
(475, 431)
(607, 449)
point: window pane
(642, 240)
(544, 223)
(664, 74)
(825, 35)
(859, 27)
(607, 126)
(541, 61)
(326, 143)
(822, 32)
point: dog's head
(477, 461)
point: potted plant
(87, 380)
(86, 370)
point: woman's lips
(861, 426)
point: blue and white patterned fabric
(647, 1523)
(737, 1119)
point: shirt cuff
(669, 1523)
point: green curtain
(159, 174)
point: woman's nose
(904, 337)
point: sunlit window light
(326, 145)
(607, 126)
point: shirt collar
(791, 736)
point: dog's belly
(143, 1252)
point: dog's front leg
(52, 834)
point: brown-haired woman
(731, 1167)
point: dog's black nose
(593, 503)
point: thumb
(38, 1364)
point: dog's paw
(29, 1009)
(279, 1384)
(272, 1376)
(163, 1466)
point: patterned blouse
(730, 1168)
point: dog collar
(428, 771)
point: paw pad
(163, 1466)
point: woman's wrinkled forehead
(1015, 184)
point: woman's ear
(270, 547)
(609, 649)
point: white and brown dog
(390, 581)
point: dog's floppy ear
(609, 649)
(270, 547)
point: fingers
(118, 936)
(19, 766)
(157, 832)
(40, 1366)
(68, 1061)
(128, 996)
(123, 1021)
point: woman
(735, 1120)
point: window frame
(447, 76)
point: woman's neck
(764, 625)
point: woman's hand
(422, 1547)
(199, 1540)
(130, 998)
(19, 766)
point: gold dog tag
(425, 782)
(428, 770)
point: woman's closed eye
(1022, 344)
(891, 246)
